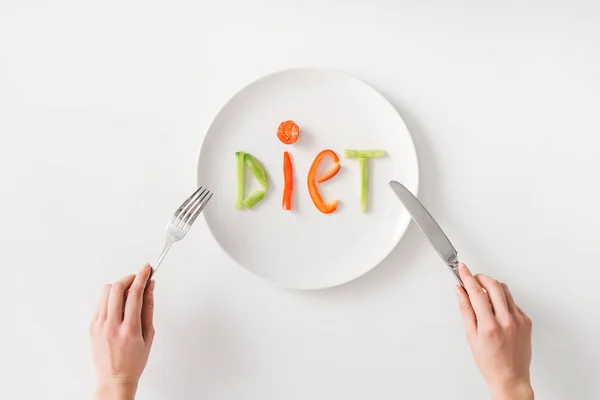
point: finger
(522, 312)
(468, 314)
(115, 299)
(512, 306)
(478, 298)
(524, 315)
(135, 298)
(148, 312)
(103, 303)
(496, 296)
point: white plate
(303, 248)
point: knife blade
(430, 228)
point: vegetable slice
(288, 132)
(259, 173)
(239, 202)
(257, 170)
(288, 179)
(325, 208)
(364, 182)
(363, 153)
(329, 174)
(254, 198)
(363, 166)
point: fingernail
(462, 267)
(457, 290)
(151, 286)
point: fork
(182, 220)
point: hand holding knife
(499, 331)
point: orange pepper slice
(329, 174)
(288, 179)
(325, 208)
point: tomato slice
(288, 132)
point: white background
(103, 106)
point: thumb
(148, 312)
(468, 314)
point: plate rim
(401, 232)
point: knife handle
(454, 269)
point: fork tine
(179, 220)
(199, 211)
(192, 209)
(185, 203)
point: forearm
(115, 392)
(522, 391)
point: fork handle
(161, 257)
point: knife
(430, 228)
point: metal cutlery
(182, 220)
(430, 228)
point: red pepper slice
(288, 179)
(329, 174)
(312, 185)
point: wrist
(115, 391)
(513, 391)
